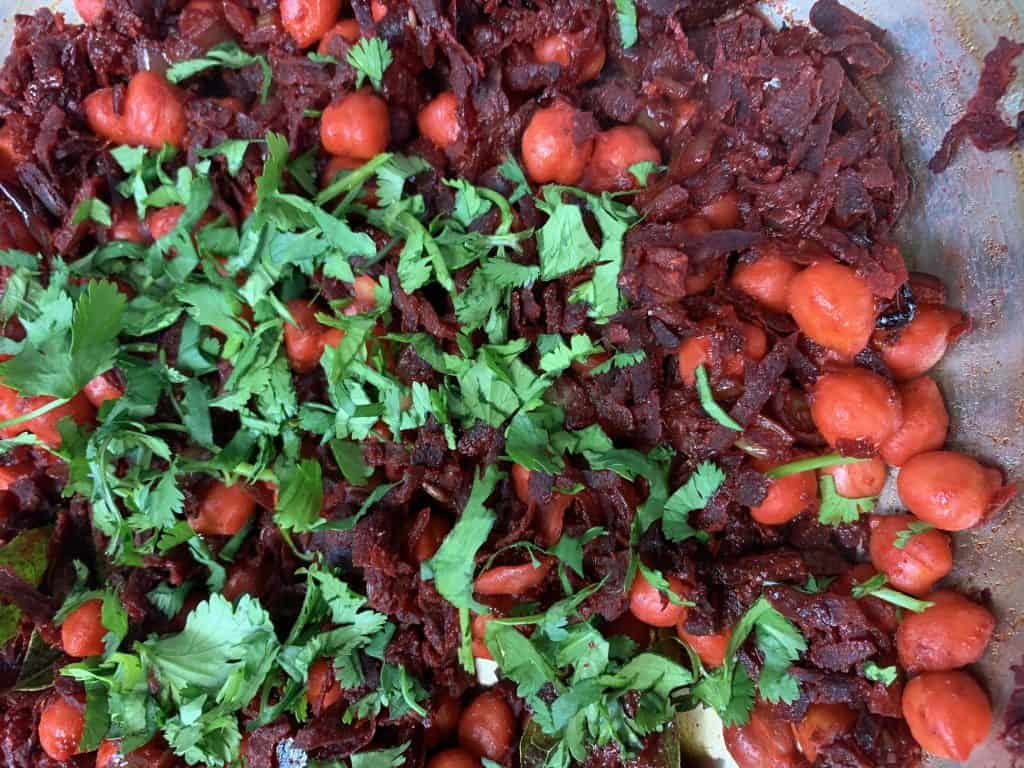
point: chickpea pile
(895, 422)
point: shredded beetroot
(982, 123)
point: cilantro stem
(814, 462)
(875, 587)
(410, 700)
(707, 401)
(41, 411)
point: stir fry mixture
(469, 384)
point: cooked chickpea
(487, 726)
(223, 511)
(723, 212)
(347, 29)
(615, 151)
(439, 120)
(652, 607)
(455, 757)
(303, 341)
(764, 741)
(855, 481)
(822, 724)
(923, 342)
(550, 148)
(153, 115)
(356, 126)
(60, 728)
(925, 422)
(948, 713)
(308, 20)
(923, 560)
(89, 10)
(82, 632)
(430, 540)
(787, 496)
(101, 389)
(45, 427)
(710, 648)
(322, 688)
(512, 579)
(855, 409)
(378, 10)
(551, 515)
(947, 489)
(443, 722)
(559, 49)
(766, 279)
(833, 306)
(952, 633)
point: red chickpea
(12, 473)
(951, 634)
(378, 10)
(559, 48)
(697, 350)
(336, 165)
(430, 540)
(723, 212)
(925, 422)
(922, 343)
(763, 741)
(224, 510)
(551, 151)
(89, 10)
(356, 126)
(60, 728)
(101, 389)
(126, 225)
(652, 607)
(243, 579)
(308, 20)
(323, 690)
(153, 115)
(710, 648)
(455, 757)
(82, 633)
(303, 341)
(914, 568)
(44, 427)
(487, 726)
(151, 755)
(766, 279)
(512, 579)
(478, 630)
(364, 293)
(615, 150)
(443, 721)
(855, 481)
(787, 496)
(203, 23)
(948, 713)
(857, 408)
(833, 306)
(949, 490)
(439, 120)
(552, 514)
(822, 724)
(346, 29)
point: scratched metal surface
(968, 227)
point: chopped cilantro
(839, 510)
(694, 494)
(92, 209)
(228, 55)
(370, 57)
(233, 152)
(875, 587)
(876, 674)
(619, 360)
(707, 401)
(625, 12)
(811, 463)
(914, 527)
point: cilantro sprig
(708, 403)
(876, 587)
(228, 55)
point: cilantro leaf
(64, 361)
(511, 170)
(370, 57)
(707, 401)
(914, 527)
(877, 674)
(228, 55)
(92, 209)
(381, 758)
(619, 360)
(167, 599)
(625, 13)
(876, 587)
(839, 510)
(518, 659)
(641, 171)
(563, 245)
(693, 495)
(233, 152)
(301, 496)
(657, 580)
(527, 441)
